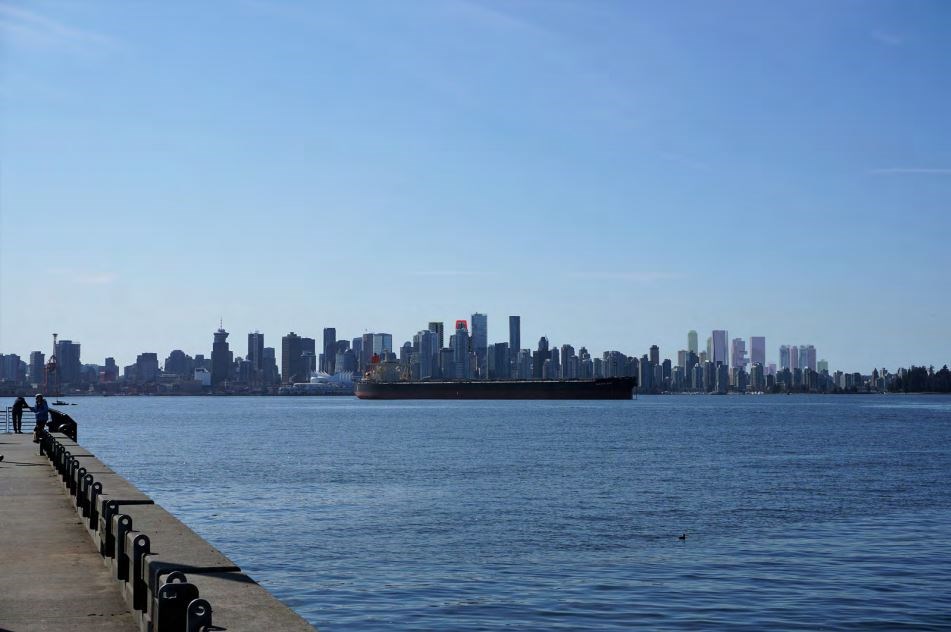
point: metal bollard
(87, 483)
(170, 613)
(94, 493)
(80, 475)
(140, 585)
(199, 616)
(123, 526)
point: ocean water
(801, 512)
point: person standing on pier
(18, 407)
(42, 411)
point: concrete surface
(51, 576)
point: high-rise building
(67, 362)
(291, 350)
(822, 366)
(437, 327)
(256, 353)
(459, 343)
(147, 368)
(515, 334)
(179, 363)
(784, 360)
(655, 355)
(480, 341)
(758, 350)
(425, 343)
(329, 350)
(692, 342)
(538, 361)
(498, 361)
(738, 354)
(37, 367)
(221, 358)
(794, 362)
(720, 348)
(269, 373)
(807, 357)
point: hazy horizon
(616, 173)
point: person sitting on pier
(18, 407)
(42, 411)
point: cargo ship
(602, 388)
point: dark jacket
(19, 405)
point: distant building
(146, 368)
(68, 364)
(37, 367)
(758, 350)
(425, 343)
(497, 361)
(784, 360)
(256, 356)
(738, 354)
(822, 366)
(794, 358)
(515, 338)
(655, 355)
(221, 358)
(541, 354)
(329, 350)
(480, 341)
(179, 363)
(437, 327)
(720, 347)
(692, 342)
(459, 342)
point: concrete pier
(82, 549)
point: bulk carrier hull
(606, 388)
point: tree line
(919, 379)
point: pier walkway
(51, 576)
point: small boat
(60, 402)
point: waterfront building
(498, 361)
(459, 342)
(37, 368)
(822, 366)
(794, 361)
(807, 357)
(295, 365)
(541, 354)
(437, 328)
(667, 372)
(146, 368)
(655, 355)
(692, 342)
(567, 355)
(758, 350)
(110, 372)
(221, 358)
(738, 354)
(720, 347)
(425, 344)
(658, 378)
(269, 373)
(330, 350)
(771, 368)
(178, 363)
(68, 364)
(784, 360)
(722, 378)
(682, 358)
(480, 342)
(524, 366)
(645, 377)
(709, 347)
(757, 377)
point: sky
(616, 173)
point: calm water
(801, 512)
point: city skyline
(616, 173)
(258, 342)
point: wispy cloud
(888, 39)
(635, 276)
(897, 171)
(29, 29)
(448, 273)
(85, 277)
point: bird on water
(682, 536)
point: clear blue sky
(617, 173)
